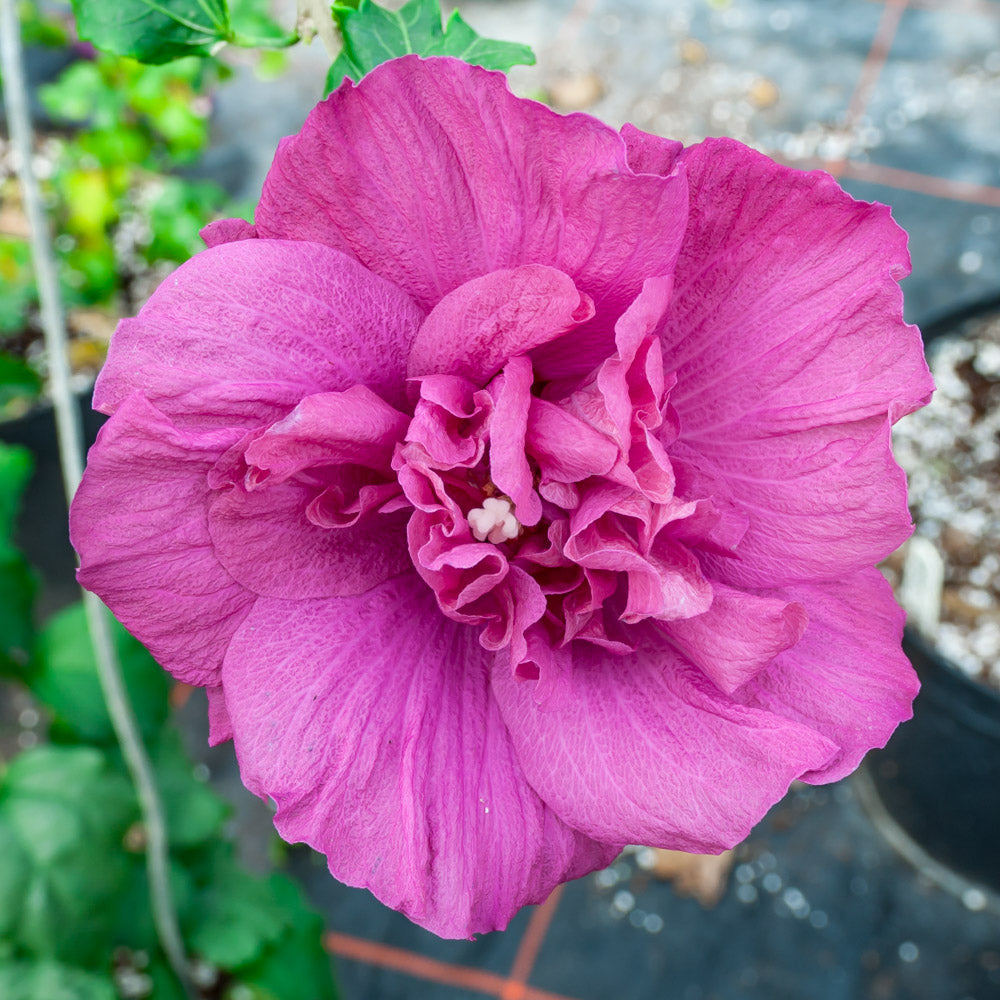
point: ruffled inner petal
(354, 427)
(739, 635)
(476, 328)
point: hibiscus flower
(514, 486)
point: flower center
(494, 521)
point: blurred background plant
(117, 156)
(74, 910)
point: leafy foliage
(48, 980)
(17, 581)
(66, 680)
(73, 887)
(154, 31)
(373, 35)
(62, 809)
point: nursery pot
(939, 777)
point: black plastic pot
(939, 777)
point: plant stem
(68, 425)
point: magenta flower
(515, 487)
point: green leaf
(374, 35)
(17, 580)
(237, 917)
(19, 384)
(67, 811)
(49, 980)
(82, 94)
(18, 586)
(195, 814)
(68, 683)
(253, 25)
(15, 471)
(17, 284)
(154, 31)
(297, 966)
(177, 216)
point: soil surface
(951, 453)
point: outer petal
(288, 319)
(786, 311)
(786, 332)
(370, 723)
(644, 748)
(819, 502)
(139, 522)
(851, 683)
(647, 154)
(449, 176)
(220, 729)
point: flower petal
(285, 319)
(847, 678)
(266, 540)
(370, 724)
(786, 311)
(739, 635)
(648, 154)
(646, 749)
(818, 502)
(220, 729)
(449, 176)
(139, 523)
(791, 356)
(475, 329)
(354, 427)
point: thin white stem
(315, 17)
(70, 435)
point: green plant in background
(123, 130)
(74, 911)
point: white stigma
(494, 521)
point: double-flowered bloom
(514, 486)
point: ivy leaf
(374, 35)
(64, 813)
(66, 680)
(154, 31)
(49, 980)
